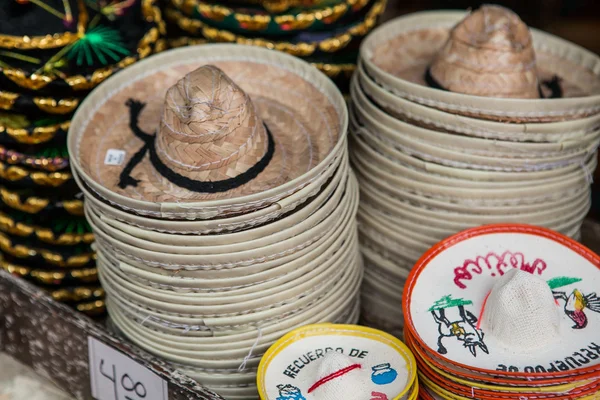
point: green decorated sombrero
(32, 202)
(65, 48)
(304, 44)
(255, 20)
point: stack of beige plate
(218, 187)
(485, 123)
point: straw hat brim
(397, 54)
(432, 118)
(527, 243)
(303, 110)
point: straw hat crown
(521, 312)
(489, 53)
(337, 383)
(209, 123)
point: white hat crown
(521, 312)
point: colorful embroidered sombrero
(485, 64)
(69, 47)
(302, 44)
(514, 301)
(233, 127)
(329, 361)
(255, 20)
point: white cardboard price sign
(114, 376)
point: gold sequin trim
(7, 100)
(331, 70)
(50, 257)
(38, 42)
(77, 294)
(87, 275)
(33, 205)
(46, 104)
(14, 173)
(46, 235)
(258, 22)
(95, 308)
(331, 45)
(39, 135)
(151, 13)
(50, 41)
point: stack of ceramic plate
(52, 54)
(324, 33)
(208, 267)
(432, 161)
(505, 311)
(332, 361)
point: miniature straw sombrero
(329, 361)
(234, 128)
(486, 64)
(514, 301)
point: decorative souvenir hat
(486, 64)
(342, 36)
(329, 361)
(253, 20)
(66, 47)
(514, 301)
(203, 125)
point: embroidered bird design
(576, 304)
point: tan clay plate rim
(549, 132)
(214, 225)
(395, 161)
(245, 257)
(468, 144)
(500, 107)
(430, 150)
(250, 237)
(207, 53)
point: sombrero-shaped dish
(225, 142)
(451, 60)
(511, 301)
(329, 361)
(69, 47)
(254, 20)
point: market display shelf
(58, 343)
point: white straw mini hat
(328, 361)
(449, 60)
(478, 298)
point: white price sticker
(114, 376)
(114, 157)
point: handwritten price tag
(114, 376)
